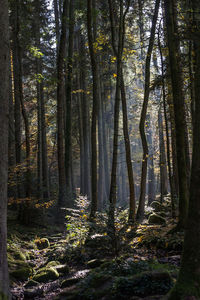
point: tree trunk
(60, 101)
(4, 108)
(94, 200)
(163, 164)
(68, 128)
(86, 121)
(141, 206)
(132, 203)
(151, 175)
(171, 181)
(178, 101)
(17, 95)
(188, 283)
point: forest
(100, 149)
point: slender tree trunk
(163, 165)
(57, 23)
(118, 50)
(17, 96)
(94, 200)
(171, 181)
(178, 101)
(132, 203)
(141, 206)
(151, 175)
(60, 101)
(4, 109)
(86, 120)
(68, 128)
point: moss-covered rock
(31, 283)
(94, 263)
(156, 219)
(70, 281)
(157, 206)
(143, 284)
(42, 243)
(53, 263)
(98, 241)
(21, 272)
(46, 274)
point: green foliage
(35, 52)
(78, 222)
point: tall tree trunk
(188, 283)
(163, 164)
(94, 200)
(151, 174)
(141, 206)
(86, 122)
(57, 23)
(132, 201)
(179, 112)
(17, 91)
(4, 108)
(68, 128)
(60, 101)
(118, 51)
(171, 181)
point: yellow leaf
(114, 75)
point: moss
(53, 263)
(156, 219)
(42, 243)
(69, 282)
(157, 206)
(186, 290)
(144, 284)
(46, 274)
(22, 273)
(31, 283)
(19, 255)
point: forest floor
(80, 262)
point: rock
(94, 263)
(156, 219)
(70, 281)
(144, 284)
(62, 269)
(157, 206)
(42, 243)
(22, 273)
(19, 255)
(32, 293)
(98, 241)
(19, 269)
(46, 274)
(31, 283)
(53, 263)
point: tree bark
(60, 101)
(178, 101)
(132, 201)
(188, 283)
(94, 200)
(141, 206)
(4, 108)
(68, 127)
